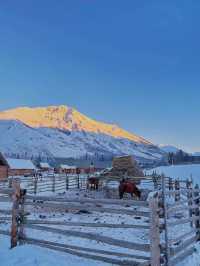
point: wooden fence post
(189, 197)
(154, 232)
(170, 184)
(155, 180)
(10, 182)
(197, 212)
(35, 184)
(167, 249)
(22, 216)
(67, 182)
(53, 183)
(177, 190)
(15, 213)
(78, 181)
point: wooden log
(104, 239)
(183, 237)
(70, 206)
(93, 201)
(154, 232)
(112, 261)
(186, 253)
(182, 208)
(95, 225)
(182, 221)
(91, 250)
(183, 245)
(15, 214)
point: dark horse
(127, 186)
(93, 183)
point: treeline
(181, 157)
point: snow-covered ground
(28, 255)
(179, 171)
(35, 256)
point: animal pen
(170, 206)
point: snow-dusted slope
(66, 118)
(169, 148)
(60, 132)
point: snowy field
(179, 171)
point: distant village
(25, 167)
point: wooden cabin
(20, 167)
(3, 168)
(15, 167)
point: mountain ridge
(66, 118)
(63, 132)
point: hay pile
(125, 166)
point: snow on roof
(20, 164)
(65, 166)
(44, 165)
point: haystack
(125, 166)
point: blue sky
(134, 63)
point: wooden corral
(167, 245)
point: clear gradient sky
(133, 62)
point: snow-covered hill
(169, 148)
(62, 132)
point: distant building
(67, 169)
(45, 166)
(15, 167)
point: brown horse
(93, 183)
(128, 187)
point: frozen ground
(28, 255)
(34, 256)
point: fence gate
(180, 220)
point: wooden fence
(50, 183)
(174, 204)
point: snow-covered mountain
(63, 132)
(169, 148)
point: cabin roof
(44, 165)
(65, 166)
(20, 164)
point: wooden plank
(183, 236)
(96, 237)
(93, 201)
(91, 250)
(79, 224)
(4, 232)
(93, 257)
(182, 221)
(182, 256)
(167, 250)
(62, 206)
(8, 212)
(183, 245)
(6, 191)
(154, 232)
(15, 214)
(182, 208)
